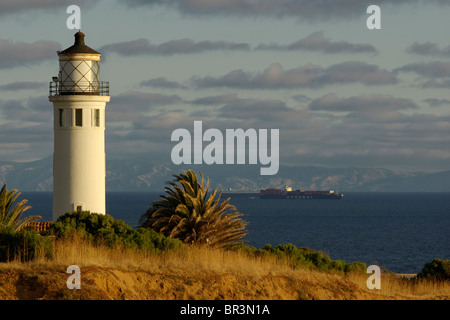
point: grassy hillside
(192, 273)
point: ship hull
(302, 197)
(299, 194)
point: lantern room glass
(79, 77)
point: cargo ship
(288, 193)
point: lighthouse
(79, 99)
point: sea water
(398, 231)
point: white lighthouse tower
(79, 99)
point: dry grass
(82, 253)
(408, 288)
(194, 273)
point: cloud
(370, 129)
(16, 54)
(33, 110)
(215, 100)
(24, 85)
(317, 42)
(433, 102)
(21, 6)
(428, 49)
(251, 111)
(130, 106)
(301, 98)
(434, 69)
(147, 134)
(182, 46)
(437, 73)
(314, 42)
(25, 141)
(136, 126)
(373, 107)
(437, 84)
(308, 76)
(303, 9)
(26, 130)
(371, 102)
(355, 71)
(268, 112)
(141, 101)
(163, 83)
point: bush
(100, 228)
(149, 239)
(24, 246)
(95, 227)
(355, 267)
(437, 269)
(302, 257)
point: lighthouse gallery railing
(98, 88)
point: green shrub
(302, 257)
(355, 267)
(93, 227)
(437, 269)
(149, 239)
(103, 228)
(24, 245)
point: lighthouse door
(78, 207)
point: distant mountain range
(143, 175)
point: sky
(340, 94)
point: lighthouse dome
(79, 46)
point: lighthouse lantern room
(79, 99)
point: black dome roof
(79, 46)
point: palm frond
(11, 213)
(190, 213)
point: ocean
(399, 232)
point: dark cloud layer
(436, 84)
(308, 76)
(428, 49)
(23, 85)
(269, 112)
(163, 83)
(434, 74)
(216, 100)
(182, 46)
(130, 106)
(316, 42)
(433, 102)
(16, 6)
(434, 69)
(15, 54)
(319, 43)
(373, 102)
(302, 9)
(35, 109)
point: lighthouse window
(61, 117)
(79, 117)
(96, 117)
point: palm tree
(189, 214)
(9, 215)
